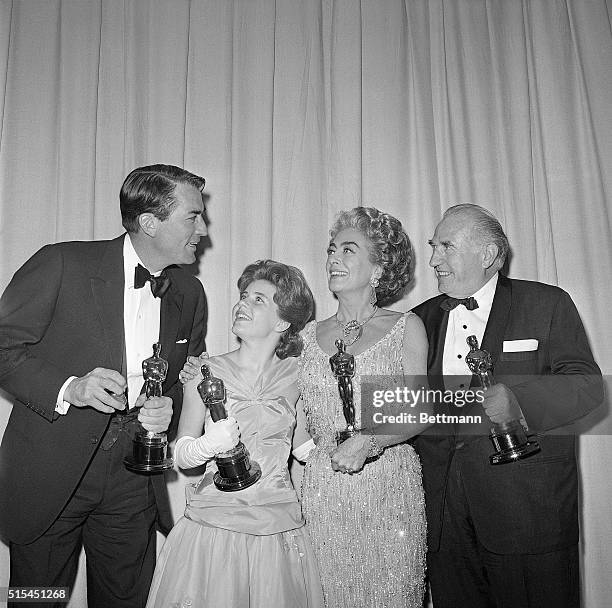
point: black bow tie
(450, 303)
(159, 285)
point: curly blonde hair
(389, 247)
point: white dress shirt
(461, 324)
(140, 322)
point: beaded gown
(368, 530)
(250, 547)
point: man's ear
(490, 253)
(148, 223)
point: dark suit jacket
(61, 316)
(529, 506)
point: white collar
(484, 296)
(131, 260)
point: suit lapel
(107, 284)
(436, 321)
(171, 311)
(492, 341)
(439, 322)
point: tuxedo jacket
(527, 506)
(61, 316)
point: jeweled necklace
(353, 327)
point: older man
(76, 321)
(503, 535)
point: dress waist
(250, 511)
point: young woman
(248, 547)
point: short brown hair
(293, 298)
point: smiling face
(255, 315)
(462, 264)
(175, 239)
(348, 262)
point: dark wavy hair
(151, 190)
(390, 248)
(293, 298)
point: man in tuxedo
(502, 535)
(76, 322)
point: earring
(373, 286)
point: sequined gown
(250, 547)
(368, 530)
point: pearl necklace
(353, 326)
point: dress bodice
(265, 412)
(319, 387)
(373, 521)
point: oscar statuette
(343, 368)
(509, 438)
(235, 469)
(149, 449)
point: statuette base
(149, 454)
(236, 470)
(512, 445)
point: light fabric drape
(295, 109)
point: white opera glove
(219, 437)
(302, 451)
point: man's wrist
(62, 405)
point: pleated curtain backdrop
(295, 109)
